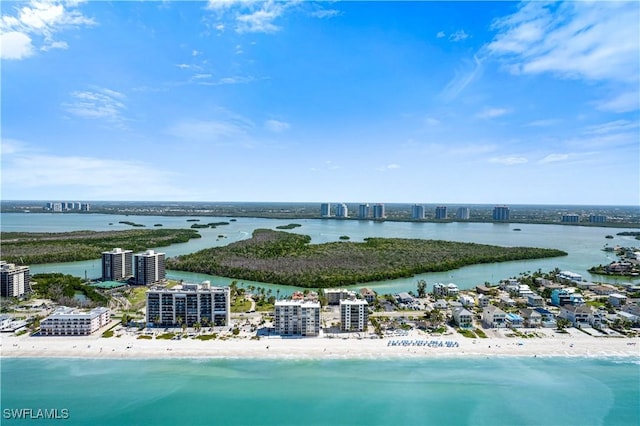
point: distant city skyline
(460, 103)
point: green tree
(422, 288)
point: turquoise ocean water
(469, 391)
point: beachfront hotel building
(441, 212)
(117, 264)
(378, 211)
(501, 213)
(297, 318)
(417, 212)
(148, 267)
(354, 315)
(463, 213)
(14, 280)
(67, 321)
(188, 304)
(325, 209)
(342, 210)
(335, 295)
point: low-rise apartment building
(67, 321)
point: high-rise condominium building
(354, 315)
(148, 267)
(325, 209)
(364, 211)
(501, 213)
(378, 211)
(463, 213)
(188, 304)
(297, 318)
(342, 210)
(117, 264)
(14, 280)
(417, 211)
(441, 212)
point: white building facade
(67, 321)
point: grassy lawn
(467, 333)
(137, 297)
(240, 305)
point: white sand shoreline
(275, 348)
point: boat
(517, 229)
(610, 237)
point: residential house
(581, 316)
(463, 318)
(535, 300)
(514, 321)
(532, 318)
(494, 317)
(547, 318)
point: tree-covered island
(32, 248)
(289, 259)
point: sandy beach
(574, 343)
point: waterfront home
(445, 290)
(569, 276)
(494, 317)
(481, 289)
(604, 290)
(368, 294)
(404, 298)
(67, 321)
(535, 300)
(566, 296)
(633, 319)
(547, 318)
(463, 318)
(514, 321)
(506, 301)
(581, 316)
(483, 300)
(617, 299)
(532, 318)
(466, 300)
(440, 304)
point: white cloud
(612, 127)
(101, 103)
(624, 102)
(553, 158)
(276, 126)
(15, 45)
(509, 160)
(462, 78)
(492, 113)
(218, 131)
(260, 21)
(544, 123)
(392, 166)
(36, 23)
(251, 16)
(458, 36)
(586, 40)
(329, 13)
(430, 121)
(440, 34)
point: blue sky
(417, 102)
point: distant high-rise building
(463, 213)
(117, 264)
(417, 211)
(364, 211)
(441, 212)
(597, 218)
(342, 210)
(14, 280)
(85, 207)
(149, 267)
(378, 211)
(325, 209)
(570, 218)
(501, 213)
